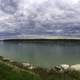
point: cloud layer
(44, 17)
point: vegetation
(8, 73)
(16, 71)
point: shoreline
(30, 66)
(60, 72)
(39, 37)
(40, 40)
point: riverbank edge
(72, 71)
(28, 65)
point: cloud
(46, 17)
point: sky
(40, 17)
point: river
(44, 53)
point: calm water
(45, 54)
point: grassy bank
(8, 73)
(10, 70)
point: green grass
(8, 73)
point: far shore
(41, 40)
(38, 38)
